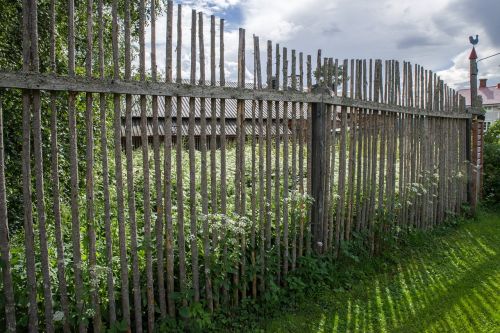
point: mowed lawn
(446, 282)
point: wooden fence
(374, 148)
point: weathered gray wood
(136, 274)
(277, 176)
(262, 189)
(269, 74)
(309, 149)
(39, 179)
(169, 235)
(117, 125)
(146, 174)
(192, 169)
(352, 158)
(159, 222)
(340, 214)
(75, 219)
(294, 163)
(8, 286)
(204, 191)
(286, 250)
(116, 86)
(105, 179)
(302, 144)
(181, 243)
(222, 79)
(90, 211)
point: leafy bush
(491, 165)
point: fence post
(318, 170)
(472, 135)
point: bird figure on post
(474, 41)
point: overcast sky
(432, 33)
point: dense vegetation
(491, 164)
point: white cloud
(431, 33)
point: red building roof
(490, 95)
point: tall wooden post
(472, 134)
(318, 170)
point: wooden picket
(261, 176)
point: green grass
(445, 281)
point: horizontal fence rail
(134, 211)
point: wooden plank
(222, 80)
(169, 235)
(90, 212)
(294, 164)
(340, 214)
(269, 74)
(136, 275)
(277, 197)
(8, 286)
(352, 158)
(160, 265)
(111, 86)
(262, 189)
(213, 136)
(75, 219)
(192, 170)
(286, 253)
(117, 127)
(204, 181)
(181, 242)
(309, 149)
(302, 137)
(105, 184)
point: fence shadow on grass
(452, 289)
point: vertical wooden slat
(352, 156)
(136, 286)
(8, 288)
(327, 130)
(332, 118)
(309, 160)
(117, 127)
(204, 170)
(39, 180)
(269, 121)
(192, 168)
(169, 234)
(242, 185)
(374, 154)
(160, 268)
(223, 178)
(89, 124)
(302, 142)
(294, 162)
(181, 243)
(286, 253)
(277, 171)
(340, 216)
(105, 173)
(253, 196)
(213, 131)
(146, 173)
(61, 269)
(75, 219)
(359, 142)
(262, 206)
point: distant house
(251, 112)
(491, 101)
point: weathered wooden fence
(374, 148)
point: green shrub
(491, 165)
